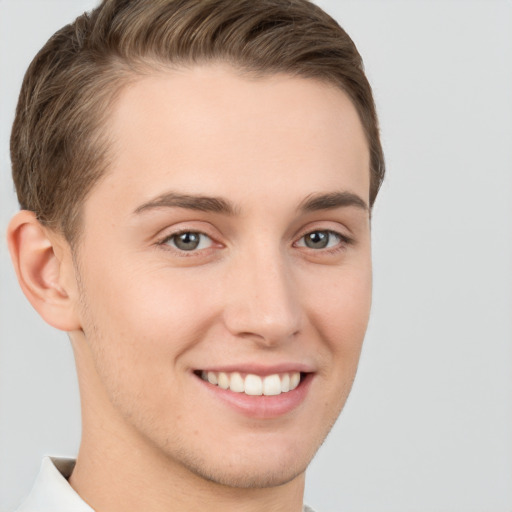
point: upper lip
(259, 369)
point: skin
(143, 315)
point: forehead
(210, 129)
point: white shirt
(52, 492)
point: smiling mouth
(251, 384)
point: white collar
(52, 492)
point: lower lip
(261, 406)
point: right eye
(188, 241)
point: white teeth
(223, 380)
(272, 385)
(285, 383)
(294, 380)
(236, 383)
(253, 385)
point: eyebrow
(190, 202)
(330, 201)
(312, 203)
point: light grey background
(428, 427)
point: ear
(44, 266)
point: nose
(262, 303)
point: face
(225, 272)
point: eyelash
(164, 243)
(343, 242)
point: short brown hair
(58, 148)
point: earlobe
(44, 266)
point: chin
(249, 476)
(259, 464)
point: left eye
(320, 240)
(189, 241)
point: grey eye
(320, 240)
(189, 241)
(317, 240)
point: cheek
(345, 318)
(136, 330)
(148, 305)
(141, 330)
(141, 319)
(339, 313)
(342, 305)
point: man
(196, 179)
